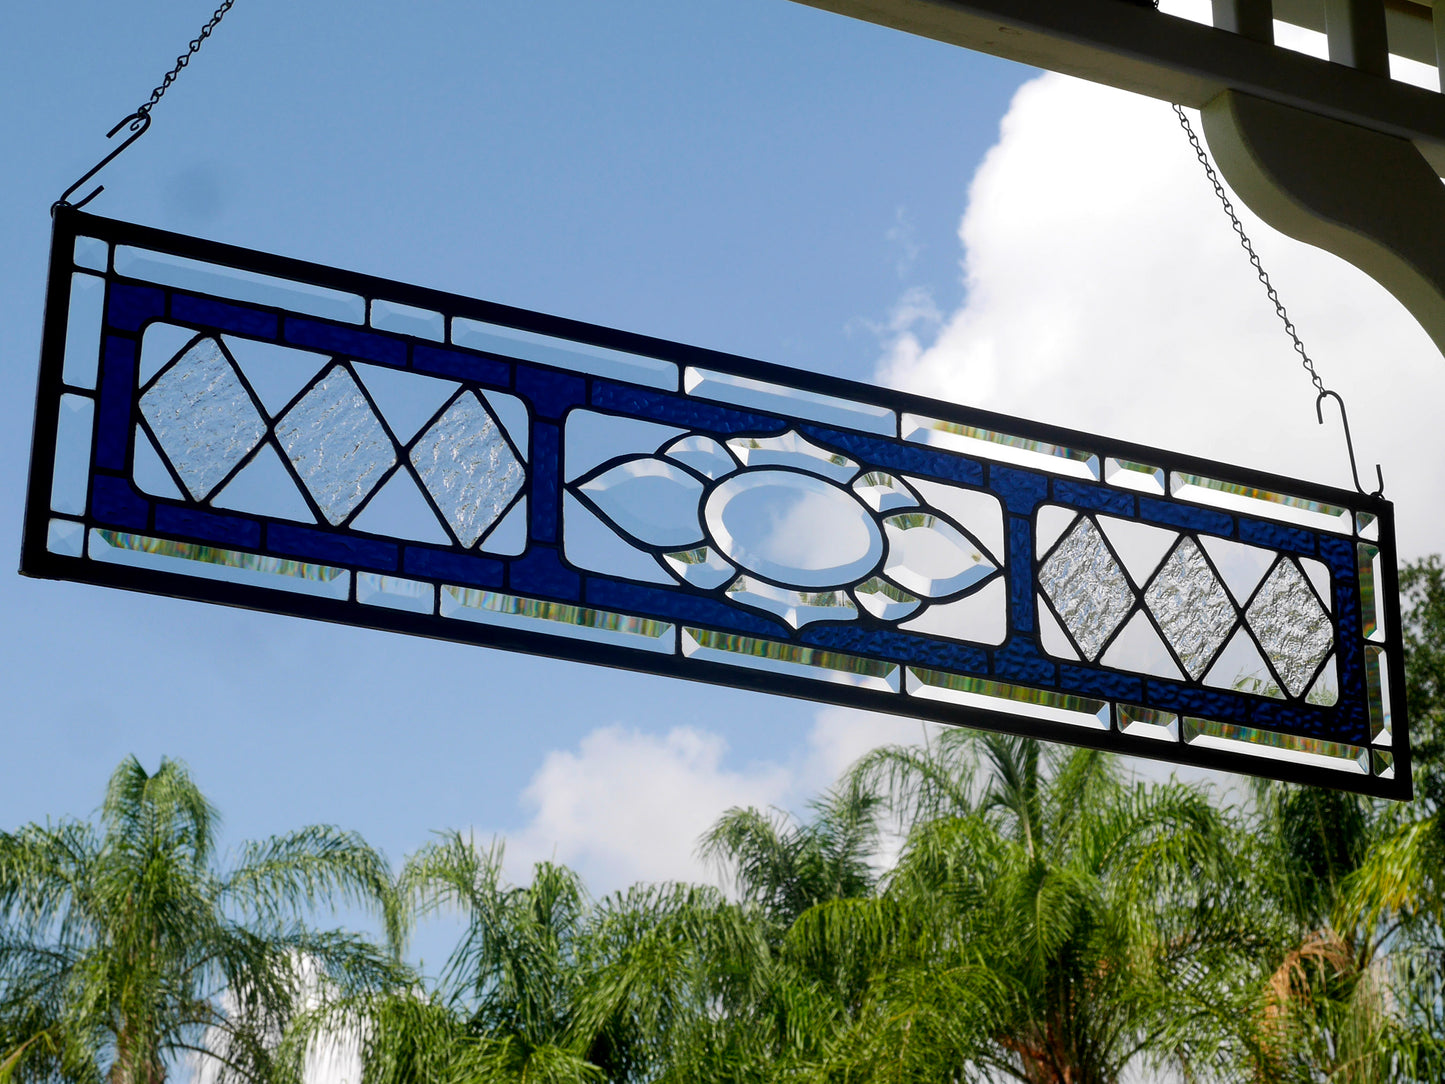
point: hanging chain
(140, 120)
(1322, 392)
(185, 58)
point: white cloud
(628, 805)
(1107, 292)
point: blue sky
(753, 176)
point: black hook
(139, 121)
(1349, 444)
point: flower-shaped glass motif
(786, 526)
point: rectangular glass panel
(92, 253)
(1002, 696)
(762, 395)
(564, 354)
(66, 537)
(72, 455)
(1257, 501)
(1137, 476)
(1377, 684)
(217, 563)
(753, 522)
(557, 618)
(780, 658)
(396, 593)
(1148, 723)
(221, 281)
(82, 329)
(408, 320)
(1003, 447)
(1336, 756)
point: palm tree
(124, 947)
(546, 985)
(1047, 921)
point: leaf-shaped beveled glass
(931, 557)
(653, 500)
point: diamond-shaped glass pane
(1087, 587)
(203, 417)
(337, 446)
(1191, 606)
(1291, 625)
(468, 468)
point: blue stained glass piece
(452, 567)
(900, 647)
(114, 501)
(331, 548)
(1312, 721)
(1099, 498)
(241, 319)
(546, 440)
(895, 455)
(1021, 490)
(1224, 706)
(680, 410)
(1186, 515)
(473, 367)
(678, 606)
(1339, 554)
(1020, 660)
(208, 526)
(366, 345)
(1020, 572)
(1276, 536)
(1103, 683)
(117, 386)
(551, 393)
(541, 572)
(129, 307)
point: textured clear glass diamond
(337, 446)
(1087, 587)
(1291, 626)
(1191, 606)
(203, 417)
(468, 467)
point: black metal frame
(38, 560)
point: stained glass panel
(242, 428)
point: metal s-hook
(139, 121)
(1349, 443)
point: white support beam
(1137, 48)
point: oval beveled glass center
(796, 529)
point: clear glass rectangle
(1001, 447)
(1261, 502)
(221, 281)
(1377, 689)
(71, 480)
(82, 330)
(1336, 756)
(557, 619)
(1140, 722)
(993, 695)
(408, 320)
(795, 660)
(215, 563)
(1140, 477)
(564, 353)
(92, 253)
(761, 395)
(1372, 621)
(395, 593)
